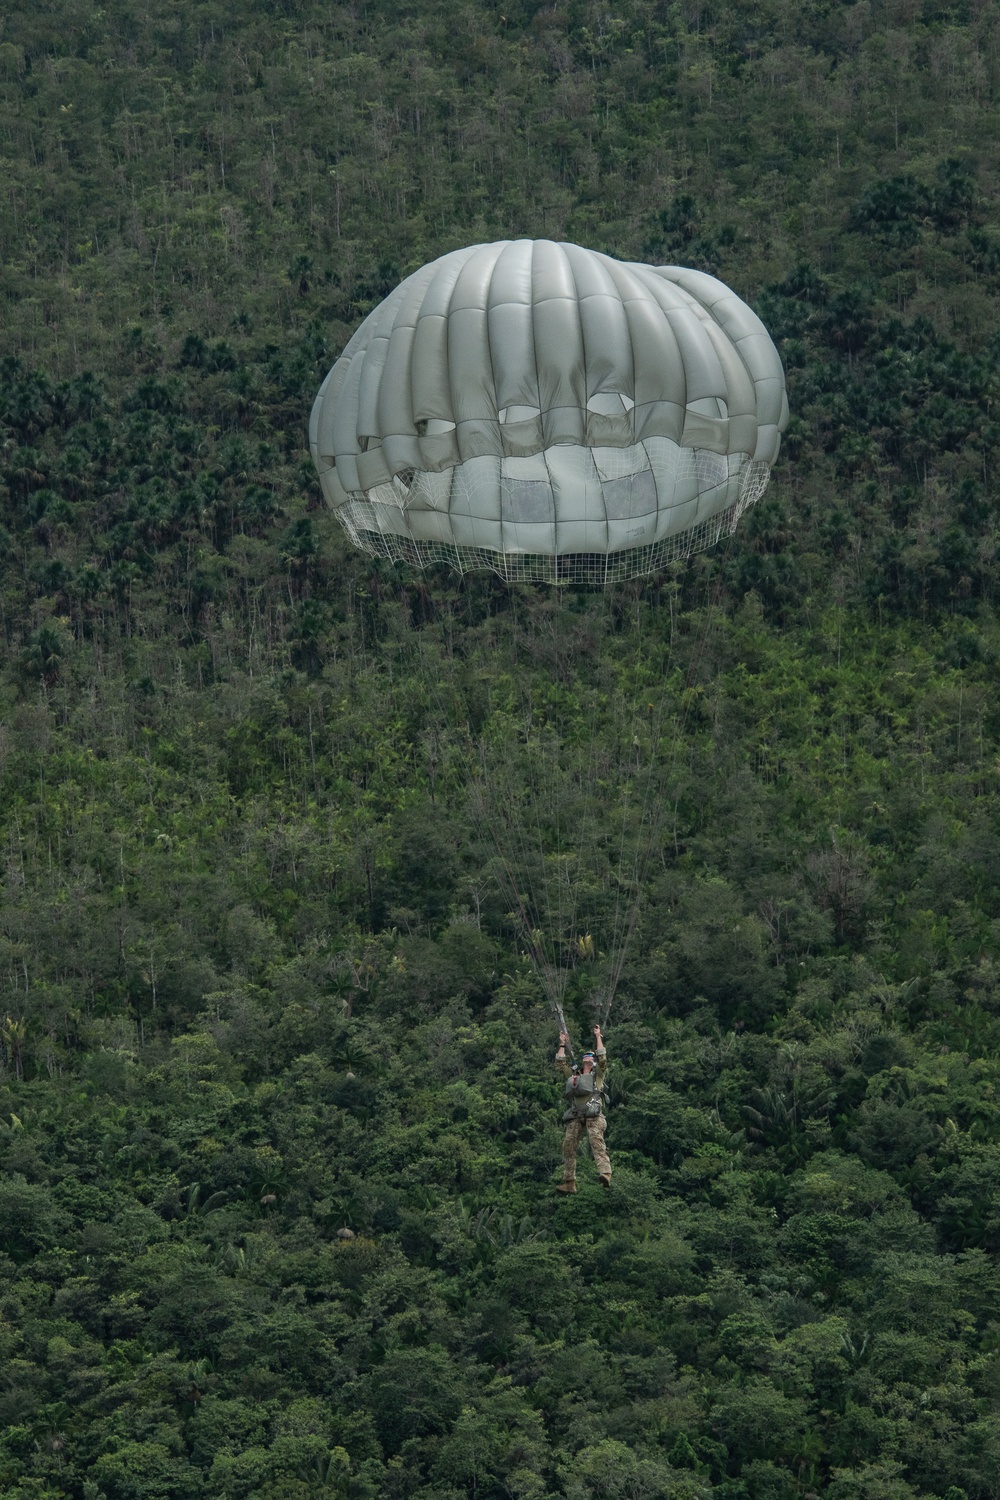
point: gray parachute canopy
(551, 413)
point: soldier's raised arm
(600, 1055)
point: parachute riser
(564, 1031)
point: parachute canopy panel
(551, 413)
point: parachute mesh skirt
(570, 514)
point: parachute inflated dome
(551, 413)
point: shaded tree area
(277, 1129)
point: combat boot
(605, 1179)
(566, 1187)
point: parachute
(556, 416)
(549, 413)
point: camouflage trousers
(595, 1128)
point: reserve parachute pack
(585, 1097)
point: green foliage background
(258, 984)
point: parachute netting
(644, 506)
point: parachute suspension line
(620, 923)
(512, 793)
(532, 931)
(556, 876)
(511, 887)
(506, 798)
(550, 877)
(590, 794)
(512, 812)
(654, 822)
(505, 807)
(557, 888)
(570, 801)
(620, 876)
(651, 822)
(509, 832)
(485, 823)
(503, 815)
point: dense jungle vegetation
(259, 984)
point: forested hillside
(261, 979)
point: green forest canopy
(257, 983)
